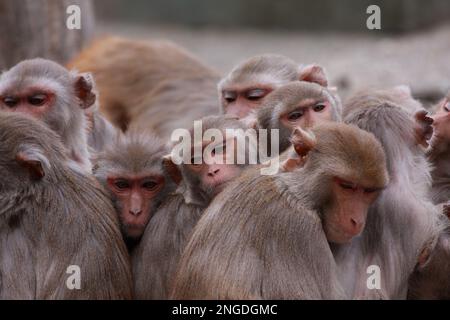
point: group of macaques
(89, 181)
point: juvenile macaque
(47, 91)
(402, 224)
(431, 280)
(262, 237)
(131, 169)
(297, 104)
(155, 85)
(156, 257)
(54, 221)
(244, 89)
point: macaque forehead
(301, 94)
(136, 176)
(264, 69)
(255, 81)
(30, 85)
(352, 154)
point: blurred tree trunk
(37, 28)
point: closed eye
(229, 96)
(37, 99)
(10, 102)
(255, 94)
(347, 185)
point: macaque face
(308, 113)
(135, 198)
(345, 216)
(240, 102)
(213, 170)
(35, 102)
(441, 119)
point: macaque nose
(213, 172)
(354, 227)
(135, 212)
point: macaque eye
(347, 185)
(10, 102)
(255, 94)
(37, 99)
(319, 107)
(121, 184)
(150, 185)
(229, 96)
(370, 190)
(293, 116)
(447, 107)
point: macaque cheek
(346, 218)
(226, 173)
(441, 124)
(323, 116)
(239, 109)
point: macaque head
(244, 89)
(344, 169)
(30, 153)
(47, 91)
(441, 119)
(215, 163)
(132, 171)
(297, 104)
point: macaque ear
(403, 91)
(172, 170)
(423, 128)
(84, 89)
(313, 73)
(34, 162)
(303, 142)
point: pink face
(308, 114)
(214, 172)
(441, 123)
(346, 216)
(240, 102)
(35, 102)
(135, 194)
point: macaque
(131, 169)
(59, 237)
(154, 85)
(431, 279)
(266, 236)
(156, 257)
(244, 89)
(297, 104)
(47, 91)
(402, 223)
(439, 153)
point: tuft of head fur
(270, 68)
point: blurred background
(413, 46)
